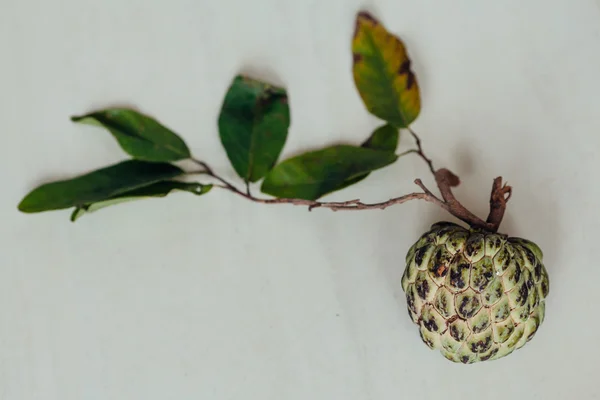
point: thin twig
(420, 150)
(355, 204)
(444, 178)
(345, 205)
(427, 191)
(208, 171)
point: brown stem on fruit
(501, 193)
(446, 180)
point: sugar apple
(475, 295)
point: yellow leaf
(382, 73)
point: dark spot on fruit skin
(538, 271)
(456, 278)
(530, 256)
(456, 334)
(431, 325)
(502, 313)
(462, 307)
(466, 301)
(441, 263)
(482, 327)
(473, 247)
(488, 356)
(469, 250)
(497, 293)
(483, 280)
(532, 333)
(428, 342)
(503, 258)
(419, 254)
(410, 300)
(529, 283)
(525, 312)
(536, 297)
(356, 58)
(544, 289)
(464, 359)
(442, 304)
(440, 267)
(482, 346)
(497, 243)
(517, 273)
(523, 293)
(423, 289)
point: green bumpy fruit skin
(475, 295)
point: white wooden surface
(216, 298)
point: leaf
(253, 126)
(98, 185)
(384, 138)
(314, 174)
(156, 190)
(382, 73)
(140, 136)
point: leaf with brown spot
(382, 73)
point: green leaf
(253, 126)
(314, 174)
(139, 135)
(384, 138)
(98, 185)
(382, 73)
(156, 190)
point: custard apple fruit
(475, 295)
